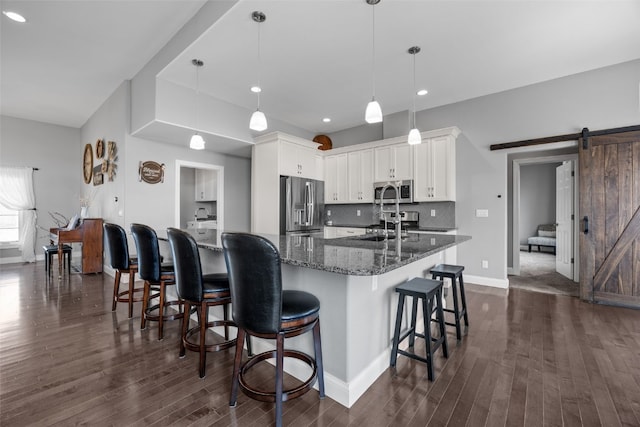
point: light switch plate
(433, 212)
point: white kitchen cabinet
(393, 162)
(206, 185)
(335, 183)
(298, 160)
(360, 173)
(435, 170)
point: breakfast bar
(354, 279)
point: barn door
(610, 219)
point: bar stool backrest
(255, 281)
(187, 267)
(118, 247)
(148, 250)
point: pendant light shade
(197, 142)
(258, 121)
(414, 134)
(414, 137)
(373, 113)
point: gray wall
(537, 198)
(57, 185)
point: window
(8, 225)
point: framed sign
(151, 172)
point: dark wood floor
(529, 359)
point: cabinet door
(435, 170)
(383, 169)
(403, 161)
(330, 179)
(366, 176)
(360, 176)
(289, 159)
(307, 162)
(206, 185)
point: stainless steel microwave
(405, 188)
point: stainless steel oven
(405, 188)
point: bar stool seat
(426, 290)
(454, 272)
(51, 250)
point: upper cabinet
(435, 169)
(360, 176)
(299, 160)
(393, 162)
(206, 185)
(335, 183)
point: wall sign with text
(151, 172)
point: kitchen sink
(376, 238)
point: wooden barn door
(610, 219)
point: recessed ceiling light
(422, 92)
(326, 120)
(14, 16)
(256, 89)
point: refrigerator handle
(308, 193)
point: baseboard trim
(487, 281)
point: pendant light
(258, 120)
(414, 134)
(197, 143)
(373, 113)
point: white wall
(54, 150)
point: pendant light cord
(259, 64)
(414, 90)
(373, 50)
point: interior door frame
(517, 163)
(220, 203)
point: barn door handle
(585, 226)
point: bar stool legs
(454, 272)
(428, 291)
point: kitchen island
(354, 279)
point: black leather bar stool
(454, 272)
(157, 276)
(121, 262)
(426, 290)
(261, 308)
(51, 250)
(201, 292)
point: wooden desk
(89, 233)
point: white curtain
(17, 194)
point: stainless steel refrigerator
(301, 205)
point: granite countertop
(352, 255)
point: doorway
(534, 178)
(187, 207)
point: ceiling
(316, 55)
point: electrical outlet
(485, 263)
(358, 212)
(482, 213)
(328, 212)
(433, 212)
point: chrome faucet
(383, 213)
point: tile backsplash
(445, 214)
